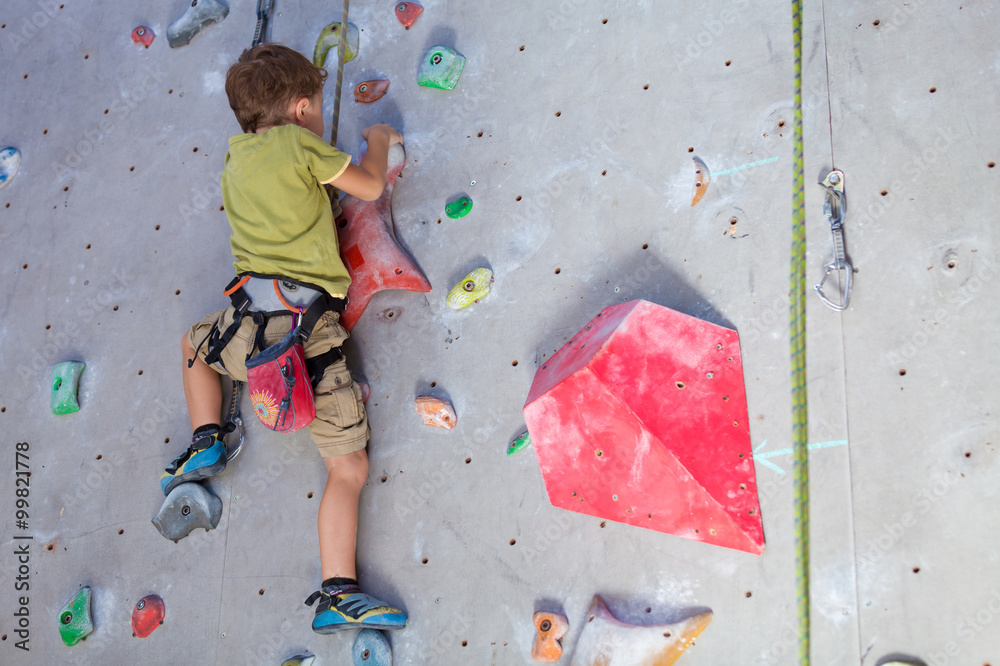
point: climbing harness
(264, 8)
(262, 297)
(797, 348)
(834, 209)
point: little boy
(286, 254)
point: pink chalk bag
(278, 382)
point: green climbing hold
(65, 384)
(329, 38)
(470, 289)
(441, 68)
(460, 207)
(75, 623)
(521, 441)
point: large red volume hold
(641, 418)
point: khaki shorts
(341, 424)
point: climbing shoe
(347, 607)
(204, 458)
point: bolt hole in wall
(423, 561)
(933, 89)
(309, 495)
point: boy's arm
(367, 181)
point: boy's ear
(299, 107)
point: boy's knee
(350, 469)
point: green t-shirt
(280, 214)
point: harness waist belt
(270, 295)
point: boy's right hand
(393, 136)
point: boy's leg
(338, 514)
(342, 604)
(207, 454)
(202, 388)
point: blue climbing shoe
(344, 608)
(204, 458)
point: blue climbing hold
(10, 161)
(371, 649)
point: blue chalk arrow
(763, 457)
(746, 166)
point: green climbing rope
(797, 343)
(341, 56)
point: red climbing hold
(143, 35)
(367, 92)
(641, 418)
(370, 250)
(407, 12)
(147, 615)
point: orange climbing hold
(702, 177)
(550, 628)
(435, 411)
(606, 641)
(367, 92)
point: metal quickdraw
(234, 423)
(834, 210)
(264, 8)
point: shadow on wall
(648, 278)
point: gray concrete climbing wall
(572, 129)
